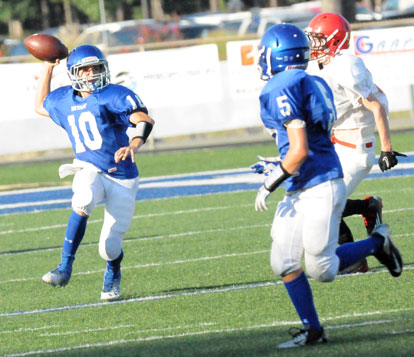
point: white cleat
(112, 286)
(110, 295)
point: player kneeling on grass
(96, 115)
(300, 108)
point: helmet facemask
(98, 80)
(318, 45)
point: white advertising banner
(387, 53)
(244, 75)
(166, 78)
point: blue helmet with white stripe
(283, 46)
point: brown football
(45, 47)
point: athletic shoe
(112, 285)
(303, 337)
(389, 254)
(358, 267)
(373, 215)
(57, 277)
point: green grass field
(196, 275)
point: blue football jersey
(294, 94)
(97, 125)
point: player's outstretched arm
(381, 120)
(43, 87)
(143, 127)
(388, 157)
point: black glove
(388, 159)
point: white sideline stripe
(200, 333)
(246, 178)
(230, 255)
(177, 295)
(35, 203)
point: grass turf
(196, 278)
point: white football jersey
(350, 80)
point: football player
(300, 108)
(361, 107)
(96, 115)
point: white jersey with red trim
(350, 81)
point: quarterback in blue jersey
(299, 109)
(96, 116)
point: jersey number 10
(94, 142)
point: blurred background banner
(189, 91)
(170, 78)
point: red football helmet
(330, 33)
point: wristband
(276, 177)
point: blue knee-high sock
(115, 265)
(75, 231)
(350, 253)
(300, 293)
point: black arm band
(142, 130)
(276, 177)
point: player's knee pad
(84, 190)
(281, 267)
(324, 273)
(111, 247)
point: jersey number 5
(92, 138)
(284, 105)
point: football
(45, 47)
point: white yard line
(177, 295)
(100, 220)
(126, 326)
(214, 331)
(160, 214)
(149, 265)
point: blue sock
(75, 231)
(350, 253)
(115, 265)
(300, 293)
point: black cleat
(304, 337)
(373, 215)
(388, 255)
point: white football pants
(307, 221)
(91, 187)
(356, 163)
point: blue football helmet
(283, 46)
(83, 56)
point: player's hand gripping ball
(45, 47)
